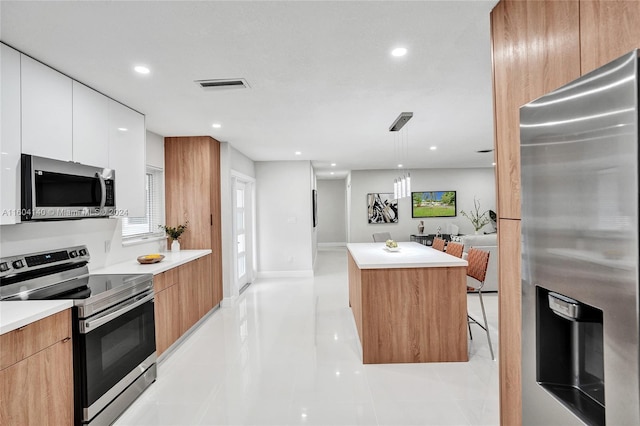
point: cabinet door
(167, 318)
(9, 135)
(39, 389)
(90, 126)
(205, 285)
(46, 111)
(189, 294)
(127, 158)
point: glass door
(240, 234)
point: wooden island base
(410, 314)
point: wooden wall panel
(609, 29)
(510, 324)
(535, 50)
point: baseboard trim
(286, 274)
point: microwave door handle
(103, 191)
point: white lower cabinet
(127, 158)
(9, 135)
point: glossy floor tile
(288, 354)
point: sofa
(486, 242)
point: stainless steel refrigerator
(579, 153)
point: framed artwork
(382, 208)
(314, 200)
(433, 204)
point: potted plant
(477, 219)
(174, 234)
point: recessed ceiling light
(298, 153)
(399, 51)
(400, 165)
(333, 164)
(122, 129)
(216, 125)
(493, 164)
(141, 69)
(332, 173)
(433, 148)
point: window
(134, 228)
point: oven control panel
(13, 265)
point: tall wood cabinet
(538, 46)
(192, 191)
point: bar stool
(438, 244)
(477, 269)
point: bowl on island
(391, 245)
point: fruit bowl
(150, 258)
(392, 248)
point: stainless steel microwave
(54, 189)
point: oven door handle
(88, 325)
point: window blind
(147, 226)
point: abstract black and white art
(382, 208)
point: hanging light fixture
(402, 184)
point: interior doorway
(243, 231)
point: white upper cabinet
(90, 126)
(9, 135)
(127, 158)
(46, 111)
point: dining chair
(478, 260)
(455, 249)
(381, 237)
(438, 244)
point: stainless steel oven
(113, 328)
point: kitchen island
(409, 305)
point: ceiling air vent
(484, 151)
(226, 83)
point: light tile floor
(288, 354)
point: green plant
(478, 220)
(174, 233)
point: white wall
(467, 183)
(31, 237)
(332, 212)
(284, 218)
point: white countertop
(16, 314)
(410, 255)
(171, 260)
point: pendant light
(402, 184)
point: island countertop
(410, 255)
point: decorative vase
(175, 246)
(421, 227)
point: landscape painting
(433, 204)
(382, 208)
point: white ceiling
(322, 79)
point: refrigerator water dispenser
(569, 352)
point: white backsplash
(96, 234)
